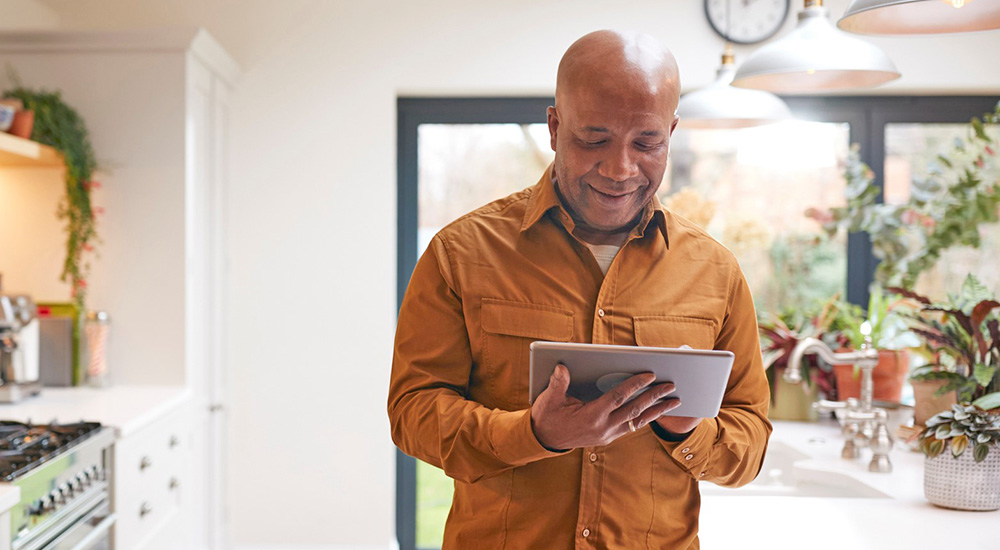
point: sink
(780, 477)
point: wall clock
(746, 21)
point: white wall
(313, 223)
(140, 257)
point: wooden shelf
(20, 152)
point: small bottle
(96, 329)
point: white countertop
(125, 408)
(901, 519)
(10, 495)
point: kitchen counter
(127, 409)
(896, 516)
(9, 496)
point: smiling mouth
(612, 195)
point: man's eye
(595, 143)
(646, 146)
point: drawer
(150, 468)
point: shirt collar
(544, 198)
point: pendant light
(815, 57)
(920, 16)
(720, 105)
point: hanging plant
(59, 126)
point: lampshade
(815, 57)
(920, 16)
(720, 105)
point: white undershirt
(604, 254)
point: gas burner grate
(24, 447)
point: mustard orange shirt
(511, 273)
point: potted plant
(962, 337)
(890, 336)
(778, 339)
(967, 477)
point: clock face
(748, 21)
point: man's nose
(619, 165)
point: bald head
(616, 97)
(611, 63)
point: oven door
(91, 532)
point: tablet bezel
(701, 376)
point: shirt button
(600, 313)
(593, 457)
(685, 449)
(586, 533)
(701, 474)
(688, 457)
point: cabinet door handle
(146, 462)
(145, 509)
(174, 483)
(174, 441)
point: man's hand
(561, 422)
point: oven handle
(96, 533)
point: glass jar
(96, 329)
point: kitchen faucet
(863, 424)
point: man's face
(611, 152)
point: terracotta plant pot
(927, 403)
(888, 377)
(24, 123)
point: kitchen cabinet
(155, 103)
(152, 470)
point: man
(586, 255)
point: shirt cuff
(692, 453)
(514, 441)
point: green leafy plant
(886, 326)
(963, 334)
(945, 209)
(781, 333)
(961, 427)
(61, 127)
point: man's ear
(673, 126)
(552, 117)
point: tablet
(700, 376)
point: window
(728, 181)
(458, 154)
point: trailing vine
(59, 126)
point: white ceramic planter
(962, 483)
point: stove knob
(47, 504)
(36, 508)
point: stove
(63, 473)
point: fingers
(634, 408)
(654, 412)
(618, 396)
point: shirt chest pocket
(674, 331)
(509, 328)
